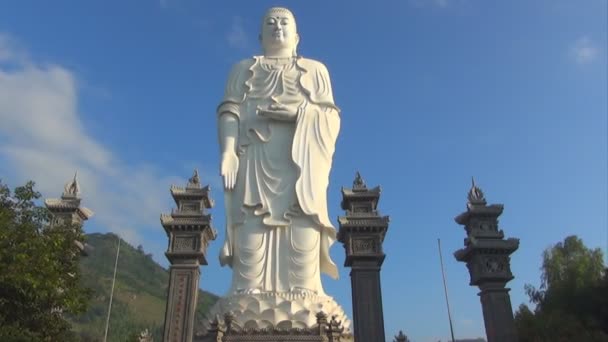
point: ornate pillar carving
(67, 209)
(189, 230)
(487, 256)
(362, 232)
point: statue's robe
(278, 231)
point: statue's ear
(295, 46)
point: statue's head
(279, 31)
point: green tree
(39, 273)
(571, 303)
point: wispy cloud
(12, 53)
(237, 37)
(42, 137)
(432, 3)
(584, 50)
(6, 52)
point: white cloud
(237, 38)
(584, 50)
(42, 138)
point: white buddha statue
(278, 126)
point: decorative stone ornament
(486, 255)
(67, 209)
(228, 330)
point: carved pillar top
(189, 226)
(362, 229)
(486, 250)
(67, 208)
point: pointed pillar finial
(195, 180)
(359, 183)
(475, 196)
(72, 188)
(401, 337)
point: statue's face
(279, 31)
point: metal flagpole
(105, 336)
(445, 289)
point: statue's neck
(278, 53)
(277, 60)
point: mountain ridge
(140, 292)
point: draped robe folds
(278, 231)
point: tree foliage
(39, 273)
(572, 301)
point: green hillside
(139, 294)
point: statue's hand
(278, 111)
(229, 169)
(225, 255)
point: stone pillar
(67, 209)
(189, 231)
(486, 254)
(362, 232)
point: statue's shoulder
(311, 64)
(244, 64)
(239, 74)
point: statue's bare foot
(248, 291)
(303, 292)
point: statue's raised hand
(278, 111)
(229, 169)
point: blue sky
(432, 92)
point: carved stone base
(228, 330)
(277, 310)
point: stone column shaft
(181, 306)
(368, 318)
(498, 315)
